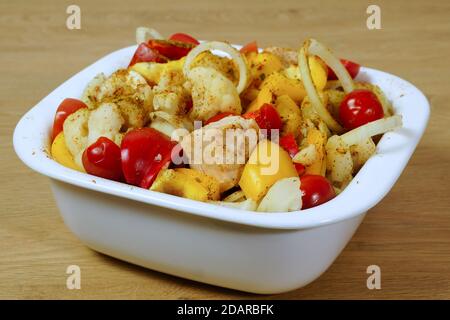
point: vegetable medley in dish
(272, 130)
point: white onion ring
(224, 47)
(143, 34)
(371, 129)
(318, 49)
(316, 102)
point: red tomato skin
(183, 37)
(300, 168)
(316, 190)
(144, 152)
(288, 143)
(249, 47)
(103, 159)
(173, 50)
(267, 117)
(360, 107)
(218, 117)
(65, 109)
(145, 53)
(352, 68)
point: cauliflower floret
(212, 93)
(224, 65)
(76, 133)
(84, 127)
(128, 90)
(105, 121)
(169, 95)
(91, 91)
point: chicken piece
(212, 93)
(287, 56)
(222, 148)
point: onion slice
(221, 46)
(371, 129)
(316, 102)
(143, 34)
(318, 49)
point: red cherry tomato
(65, 109)
(289, 144)
(352, 68)
(266, 117)
(316, 190)
(360, 107)
(103, 159)
(145, 151)
(145, 53)
(249, 47)
(218, 117)
(173, 50)
(183, 37)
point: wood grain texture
(407, 234)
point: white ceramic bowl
(254, 252)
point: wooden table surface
(407, 234)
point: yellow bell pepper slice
(319, 72)
(267, 164)
(316, 138)
(262, 65)
(61, 154)
(187, 183)
(279, 85)
(290, 114)
(264, 96)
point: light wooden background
(407, 234)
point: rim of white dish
(368, 187)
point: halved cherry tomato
(267, 117)
(249, 47)
(145, 53)
(183, 37)
(316, 190)
(103, 159)
(218, 117)
(288, 143)
(173, 50)
(65, 109)
(352, 68)
(360, 107)
(145, 151)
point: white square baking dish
(248, 251)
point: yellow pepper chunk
(152, 71)
(290, 115)
(319, 72)
(187, 183)
(316, 138)
(61, 154)
(279, 84)
(262, 65)
(267, 164)
(264, 96)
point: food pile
(273, 130)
